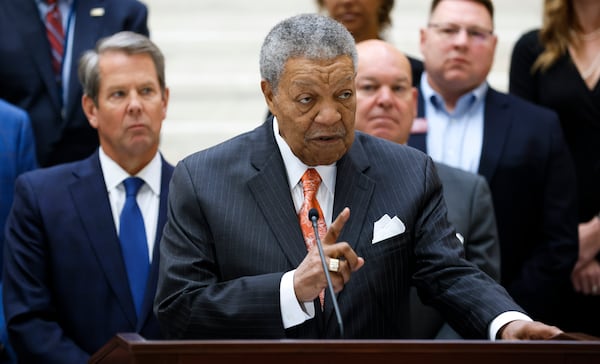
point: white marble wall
(212, 50)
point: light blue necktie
(133, 243)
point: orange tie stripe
(310, 185)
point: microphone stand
(313, 216)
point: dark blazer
(233, 232)
(17, 155)
(28, 79)
(416, 67)
(65, 285)
(530, 172)
(471, 212)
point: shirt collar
(59, 2)
(114, 174)
(465, 101)
(294, 166)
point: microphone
(313, 216)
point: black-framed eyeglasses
(450, 31)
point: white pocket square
(387, 227)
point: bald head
(386, 101)
(376, 51)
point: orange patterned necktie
(310, 184)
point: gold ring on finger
(334, 265)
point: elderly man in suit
(517, 146)
(43, 80)
(81, 258)
(238, 255)
(386, 105)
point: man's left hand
(526, 330)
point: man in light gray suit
(233, 261)
(386, 105)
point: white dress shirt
(292, 312)
(148, 197)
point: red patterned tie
(56, 37)
(310, 184)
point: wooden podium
(133, 349)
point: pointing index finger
(336, 227)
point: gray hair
(312, 36)
(127, 42)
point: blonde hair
(556, 32)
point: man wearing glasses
(517, 146)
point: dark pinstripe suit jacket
(232, 232)
(471, 212)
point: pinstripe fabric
(232, 233)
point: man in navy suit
(61, 130)
(234, 263)
(17, 155)
(386, 105)
(517, 146)
(66, 287)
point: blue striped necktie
(134, 243)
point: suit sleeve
(468, 299)
(549, 265)
(193, 301)
(137, 19)
(26, 147)
(32, 322)
(483, 247)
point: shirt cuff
(503, 319)
(292, 312)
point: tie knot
(310, 181)
(51, 2)
(132, 185)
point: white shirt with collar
(148, 197)
(292, 312)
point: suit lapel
(419, 141)
(33, 32)
(497, 124)
(271, 191)
(92, 204)
(353, 189)
(495, 131)
(147, 305)
(270, 187)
